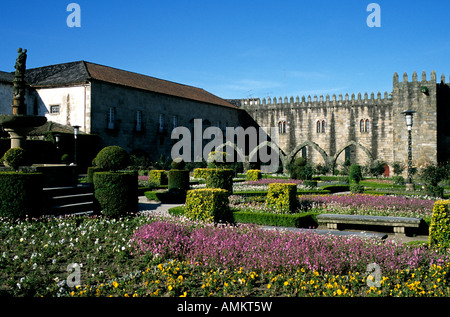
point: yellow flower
(170, 287)
(184, 294)
(115, 284)
(286, 283)
(269, 286)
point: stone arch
(274, 147)
(362, 147)
(235, 147)
(314, 145)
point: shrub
(178, 164)
(432, 175)
(356, 188)
(200, 173)
(282, 197)
(167, 196)
(355, 174)
(178, 179)
(65, 159)
(220, 178)
(217, 159)
(20, 194)
(310, 184)
(208, 204)
(116, 192)
(253, 175)
(439, 235)
(301, 169)
(398, 180)
(14, 157)
(112, 158)
(298, 220)
(157, 177)
(90, 173)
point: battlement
(321, 101)
(327, 101)
(423, 80)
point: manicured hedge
(116, 192)
(178, 179)
(282, 197)
(167, 196)
(439, 236)
(299, 220)
(90, 173)
(253, 175)
(157, 177)
(208, 204)
(220, 178)
(20, 195)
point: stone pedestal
(409, 187)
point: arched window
(282, 127)
(361, 125)
(318, 127)
(367, 127)
(323, 126)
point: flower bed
(363, 204)
(119, 258)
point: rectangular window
(54, 109)
(139, 121)
(111, 118)
(161, 123)
(174, 122)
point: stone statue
(19, 81)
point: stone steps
(70, 200)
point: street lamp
(409, 123)
(57, 140)
(76, 131)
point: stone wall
(126, 102)
(345, 134)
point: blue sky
(238, 49)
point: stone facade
(362, 128)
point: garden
(213, 244)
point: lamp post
(409, 123)
(76, 131)
(57, 140)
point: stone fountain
(19, 124)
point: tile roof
(82, 72)
(6, 77)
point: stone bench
(401, 225)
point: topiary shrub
(112, 158)
(208, 204)
(220, 178)
(90, 173)
(178, 164)
(200, 173)
(355, 174)
(20, 195)
(356, 188)
(282, 197)
(178, 180)
(116, 193)
(253, 175)
(157, 177)
(439, 231)
(14, 158)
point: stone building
(139, 112)
(134, 111)
(328, 131)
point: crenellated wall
(345, 134)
